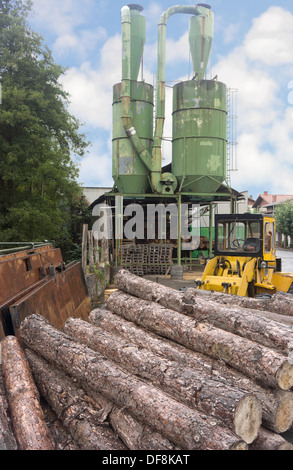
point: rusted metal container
(38, 281)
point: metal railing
(21, 246)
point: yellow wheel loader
(245, 261)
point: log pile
(157, 369)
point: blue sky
(252, 52)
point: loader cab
(245, 235)
(245, 261)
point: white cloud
(61, 17)
(230, 33)
(258, 69)
(257, 90)
(96, 167)
(82, 43)
(177, 51)
(261, 168)
(68, 22)
(270, 40)
(91, 90)
(153, 13)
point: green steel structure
(199, 135)
(129, 172)
(198, 170)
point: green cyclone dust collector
(199, 114)
(132, 109)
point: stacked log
(236, 340)
(7, 438)
(241, 411)
(157, 369)
(185, 427)
(277, 405)
(28, 421)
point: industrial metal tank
(129, 172)
(133, 108)
(199, 135)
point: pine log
(185, 427)
(61, 438)
(149, 290)
(266, 366)
(267, 440)
(263, 307)
(277, 405)
(27, 417)
(7, 438)
(280, 302)
(240, 411)
(74, 409)
(290, 355)
(241, 321)
(236, 319)
(135, 434)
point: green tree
(284, 218)
(40, 141)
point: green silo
(129, 172)
(199, 135)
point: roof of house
(270, 199)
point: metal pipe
(196, 10)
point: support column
(179, 232)
(211, 220)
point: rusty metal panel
(61, 297)
(21, 270)
(6, 327)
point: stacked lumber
(157, 369)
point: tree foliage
(38, 135)
(284, 218)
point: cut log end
(241, 445)
(284, 376)
(284, 415)
(248, 418)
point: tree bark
(136, 435)
(91, 250)
(76, 411)
(240, 411)
(278, 308)
(62, 439)
(243, 322)
(149, 290)
(7, 438)
(181, 425)
(84, 248)
(264, 365)
(27, 417)
(236, 319)
(268, 440)
(277, 405)
(280, 302)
